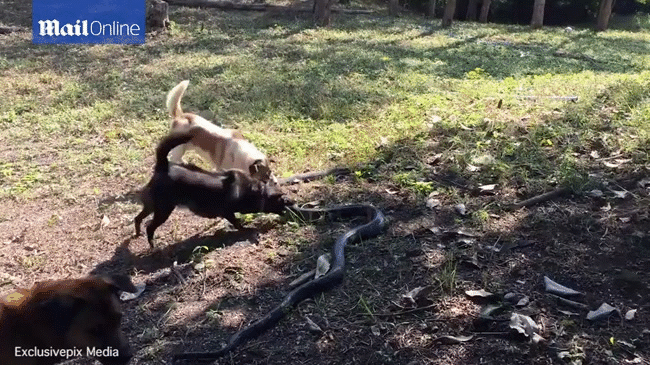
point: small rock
(630, 314)
(461, 209)
(375, 330)
(432, 203)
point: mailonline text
(88, 21)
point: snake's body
(374, 227)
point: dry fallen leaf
(105, 222)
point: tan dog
(224, 148)
(58, 320)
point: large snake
(374, 227)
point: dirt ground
(598, 246)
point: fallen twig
(554, 97)
(540, 198)
(403, 312)
(7, 30)
(308, 176)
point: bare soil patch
(595, 246)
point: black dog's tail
(167, 144)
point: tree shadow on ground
(308, 92)
(16, 13)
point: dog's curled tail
(168, 143)
(174, 99)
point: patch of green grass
(486, 94)
(408, 180)
(365, 308)
(32, 262)
(447, 276)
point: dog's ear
(119, 282)
(254, 168)
(259, 170)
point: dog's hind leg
(160, 215)
(146, 210)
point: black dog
(207, 194)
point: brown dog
(224, 148)
(58, 320)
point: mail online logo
(88, 21)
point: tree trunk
(431, 10)
(448, 16)
(393, 7)
(322, 12)
(485, 11)
(538, 14)
(471, 10)
(157, 17)
(604, 14)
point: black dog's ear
(120, 282)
